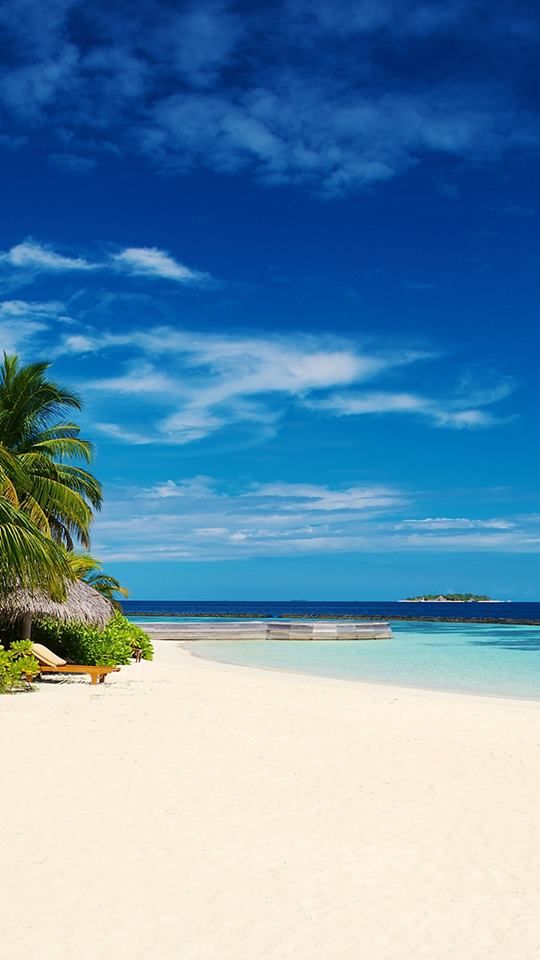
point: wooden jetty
(269, 630)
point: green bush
(122, 630)
(82, 643)
(79, 642)
(17, 666)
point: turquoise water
(491, 659)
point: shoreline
(387, 684)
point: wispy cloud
(33, 258)
(455, 523)
(205, 519)
(197, 384)
(118, 432)
(461, 410)
(293, 92)
(151, 262)
(193, 487)
(308, 496)
(28, 309)
(198, 518)
(139, 379)
(301, 129)
(222, 380)
(36, 256)
(21, 321)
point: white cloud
(307, 496)
(213, 380)
(24, 309)
(75, 343)
(200, 382)
(353, 404)
(461, 419)
(34, 257)
(21, 321)
(151, 262)
(195, 488)
(209, 381)
(455, 412)
(455, 523)
(41, 313)
(37, 257)
(118, 432)
(197, 518)
(306, 130)
(191, 424)
(293, 92)
(14, 334)
(140, 379)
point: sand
(189, 810)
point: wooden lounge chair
(50, 663)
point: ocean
(493, 659)
(159, 609)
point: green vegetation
(90, 571)
(454, 597)
(17, 666)
(82, 643)
(57, 493)
(47, 504)
(28, 557)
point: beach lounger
(50, 663)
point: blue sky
(289, 254)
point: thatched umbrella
(82, 603)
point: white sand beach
(192, 810)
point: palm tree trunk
(25, 626)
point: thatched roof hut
(82, 603)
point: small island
(451, 598)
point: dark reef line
(337, 616)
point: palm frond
(38, 447)
(61, 534)
(31, 507)
(9, 490)
(28, 557)
(87, 568)
(59, 501)
(68, 447)
(81, 564)
(82, 482)
(106, 585)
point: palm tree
(59, 496)
(28, 557)
(89, 570)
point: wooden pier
(269, 630)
